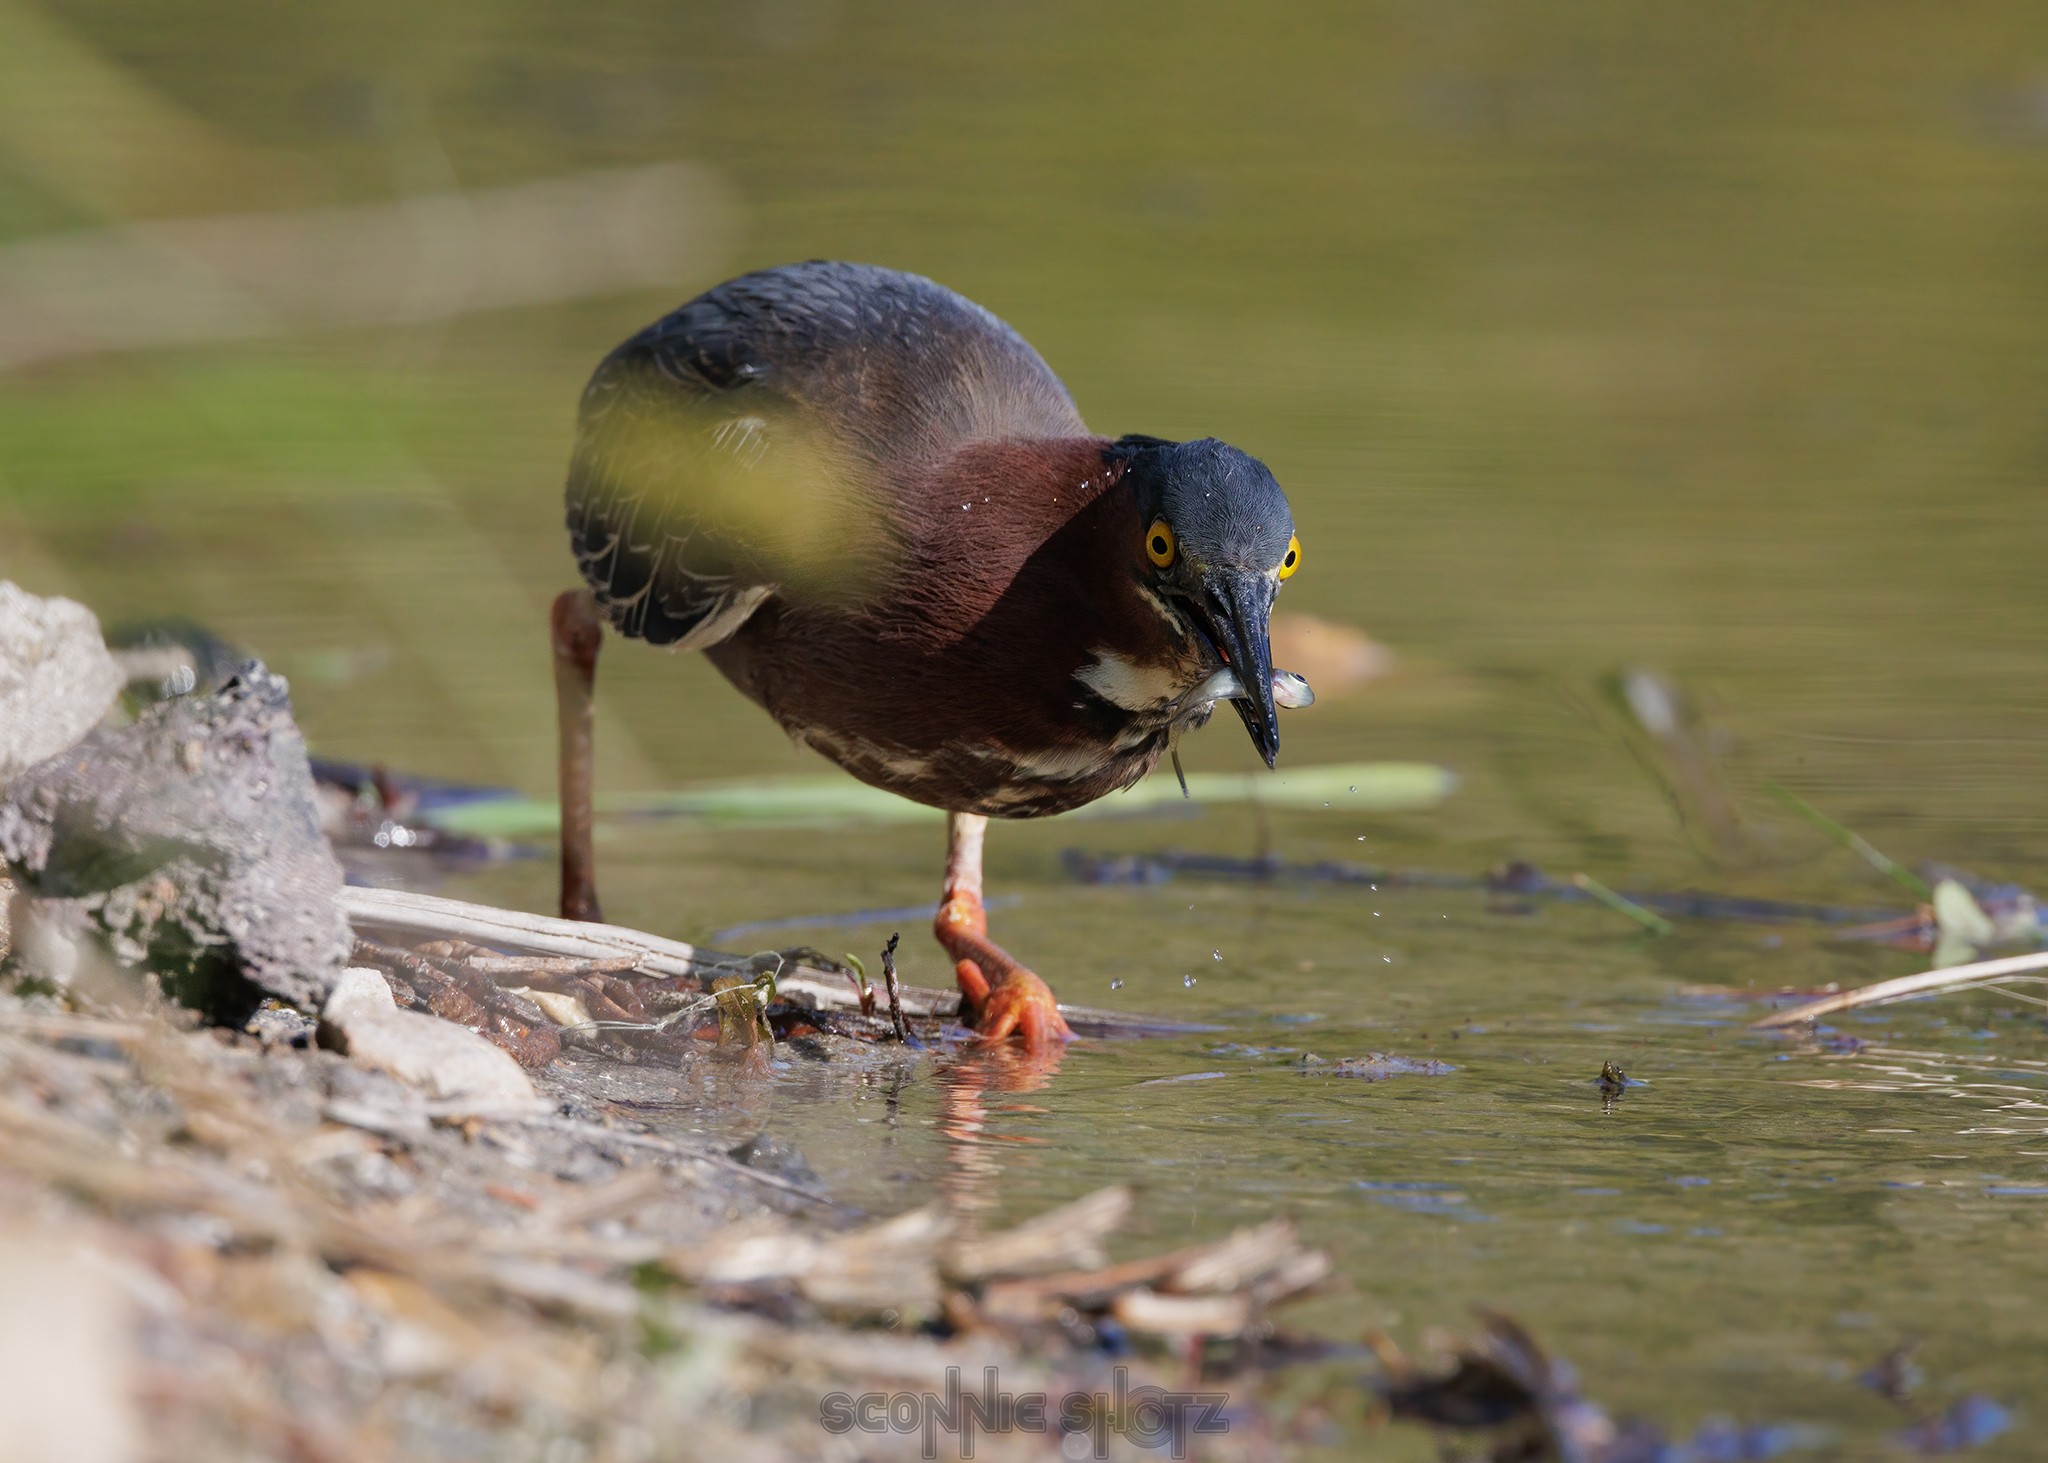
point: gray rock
(191, 842)
(770, 1154)
(451, 1062)
(56, 678)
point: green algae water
(1706, 340)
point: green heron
(877, 510)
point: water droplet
(1117, 984)
(1188, 981)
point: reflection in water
(2014, 1089)
(971, 1182)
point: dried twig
(426, 917)
(1067, 1238)
(1212, 1289)
(523, 969)
(895, 989)
(1929, 982)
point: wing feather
(759, 439)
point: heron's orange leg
(998, 997)
(578, 632)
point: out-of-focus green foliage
(1702, 338)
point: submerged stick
(1656, 924)
(1929, 982)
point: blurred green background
(1709, 338)
(1714, 337)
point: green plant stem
(1876, 857)
(1650, 920)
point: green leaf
(1957, 914)
(823, 802)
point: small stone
(562, 1009)
(56, 678)
(276, 1024)
(362, 1020)
(770, 1154)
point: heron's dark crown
(1224, 506)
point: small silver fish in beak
(1289, 690)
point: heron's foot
(998, 997)
(1022, 1006)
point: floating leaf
(812, 802)
(1957, 913)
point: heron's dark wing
(763, 437)
(670, 429)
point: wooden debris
(891, 1266)
(911, 1267)
(426, 921)
(1150, 1311)
(493, 1298)
(1066, 1238)
(1261, 1266)
(425, 917)
(895, 989)
(504, 968)
(1927, 983)
(444, 988)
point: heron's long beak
(1237, 603)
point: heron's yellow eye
(1159, 543)
(1293, 560)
